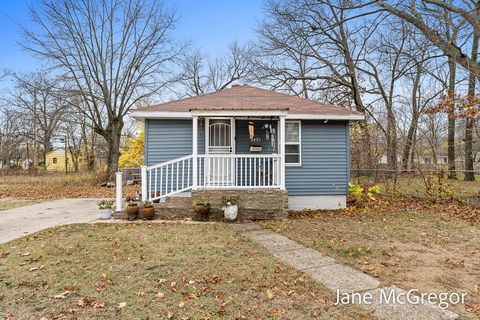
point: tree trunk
(470, 120)
(451, 119)
(412, 130)
(408, 149)
(391, 140)
(112, 136)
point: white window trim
(299, 164)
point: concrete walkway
(337, 276)
(17, 222)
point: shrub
(362, 194)
(438, 188)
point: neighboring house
(55, 161)
(261, 144)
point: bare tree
(419, 14)
(114, 52)
(329, 49)
(201, 74)
(12, 136)
(38, 100)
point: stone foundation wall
(256, 204)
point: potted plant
(202, 209)
(105, 207)
(132, 208)
(148, 211)
(230, 207)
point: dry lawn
(427, 250)
(152, 271)
(57, 186)
(9, 203)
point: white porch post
(195, 152)
(144, 183)
(118, 192)
(282, 152)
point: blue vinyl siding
(325, 155)
(324, 169)
(169, 139)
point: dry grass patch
(429, 251)
(10, 203)
(57, 186)
(155, 271)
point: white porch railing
(235, 171)
(167, 178)
(214, 171)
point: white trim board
(142, 115)
(241, 113)
(321, 202)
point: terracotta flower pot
(148, 213)
(132, 211)
(201, 212)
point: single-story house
(270, 148)
(55, 160)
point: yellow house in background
(55, 161)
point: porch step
(175, 205)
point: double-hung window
(293, 140)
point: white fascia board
(142, 115)
(307, 116)
(239, 113)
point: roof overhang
(239, 113)
(313, 116)
(142, 115)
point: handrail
(273, 155)
(169, 162)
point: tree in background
(132, 154)
(114, 53)
(200, 74)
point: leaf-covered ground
(140, 271)
(403, 242)
(57, 186)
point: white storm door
(220, 146)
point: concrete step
(176, 205)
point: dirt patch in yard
(427, 250)
(155, 271)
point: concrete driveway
(17, 222)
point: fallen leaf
(160, 295)
(269, 294)
(169, 314)
(62, 295)
(122, 305)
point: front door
(220, 144)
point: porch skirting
(323, 202)
(255, 204)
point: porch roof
(243, 98)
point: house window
(292, 143)
(54, 160)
